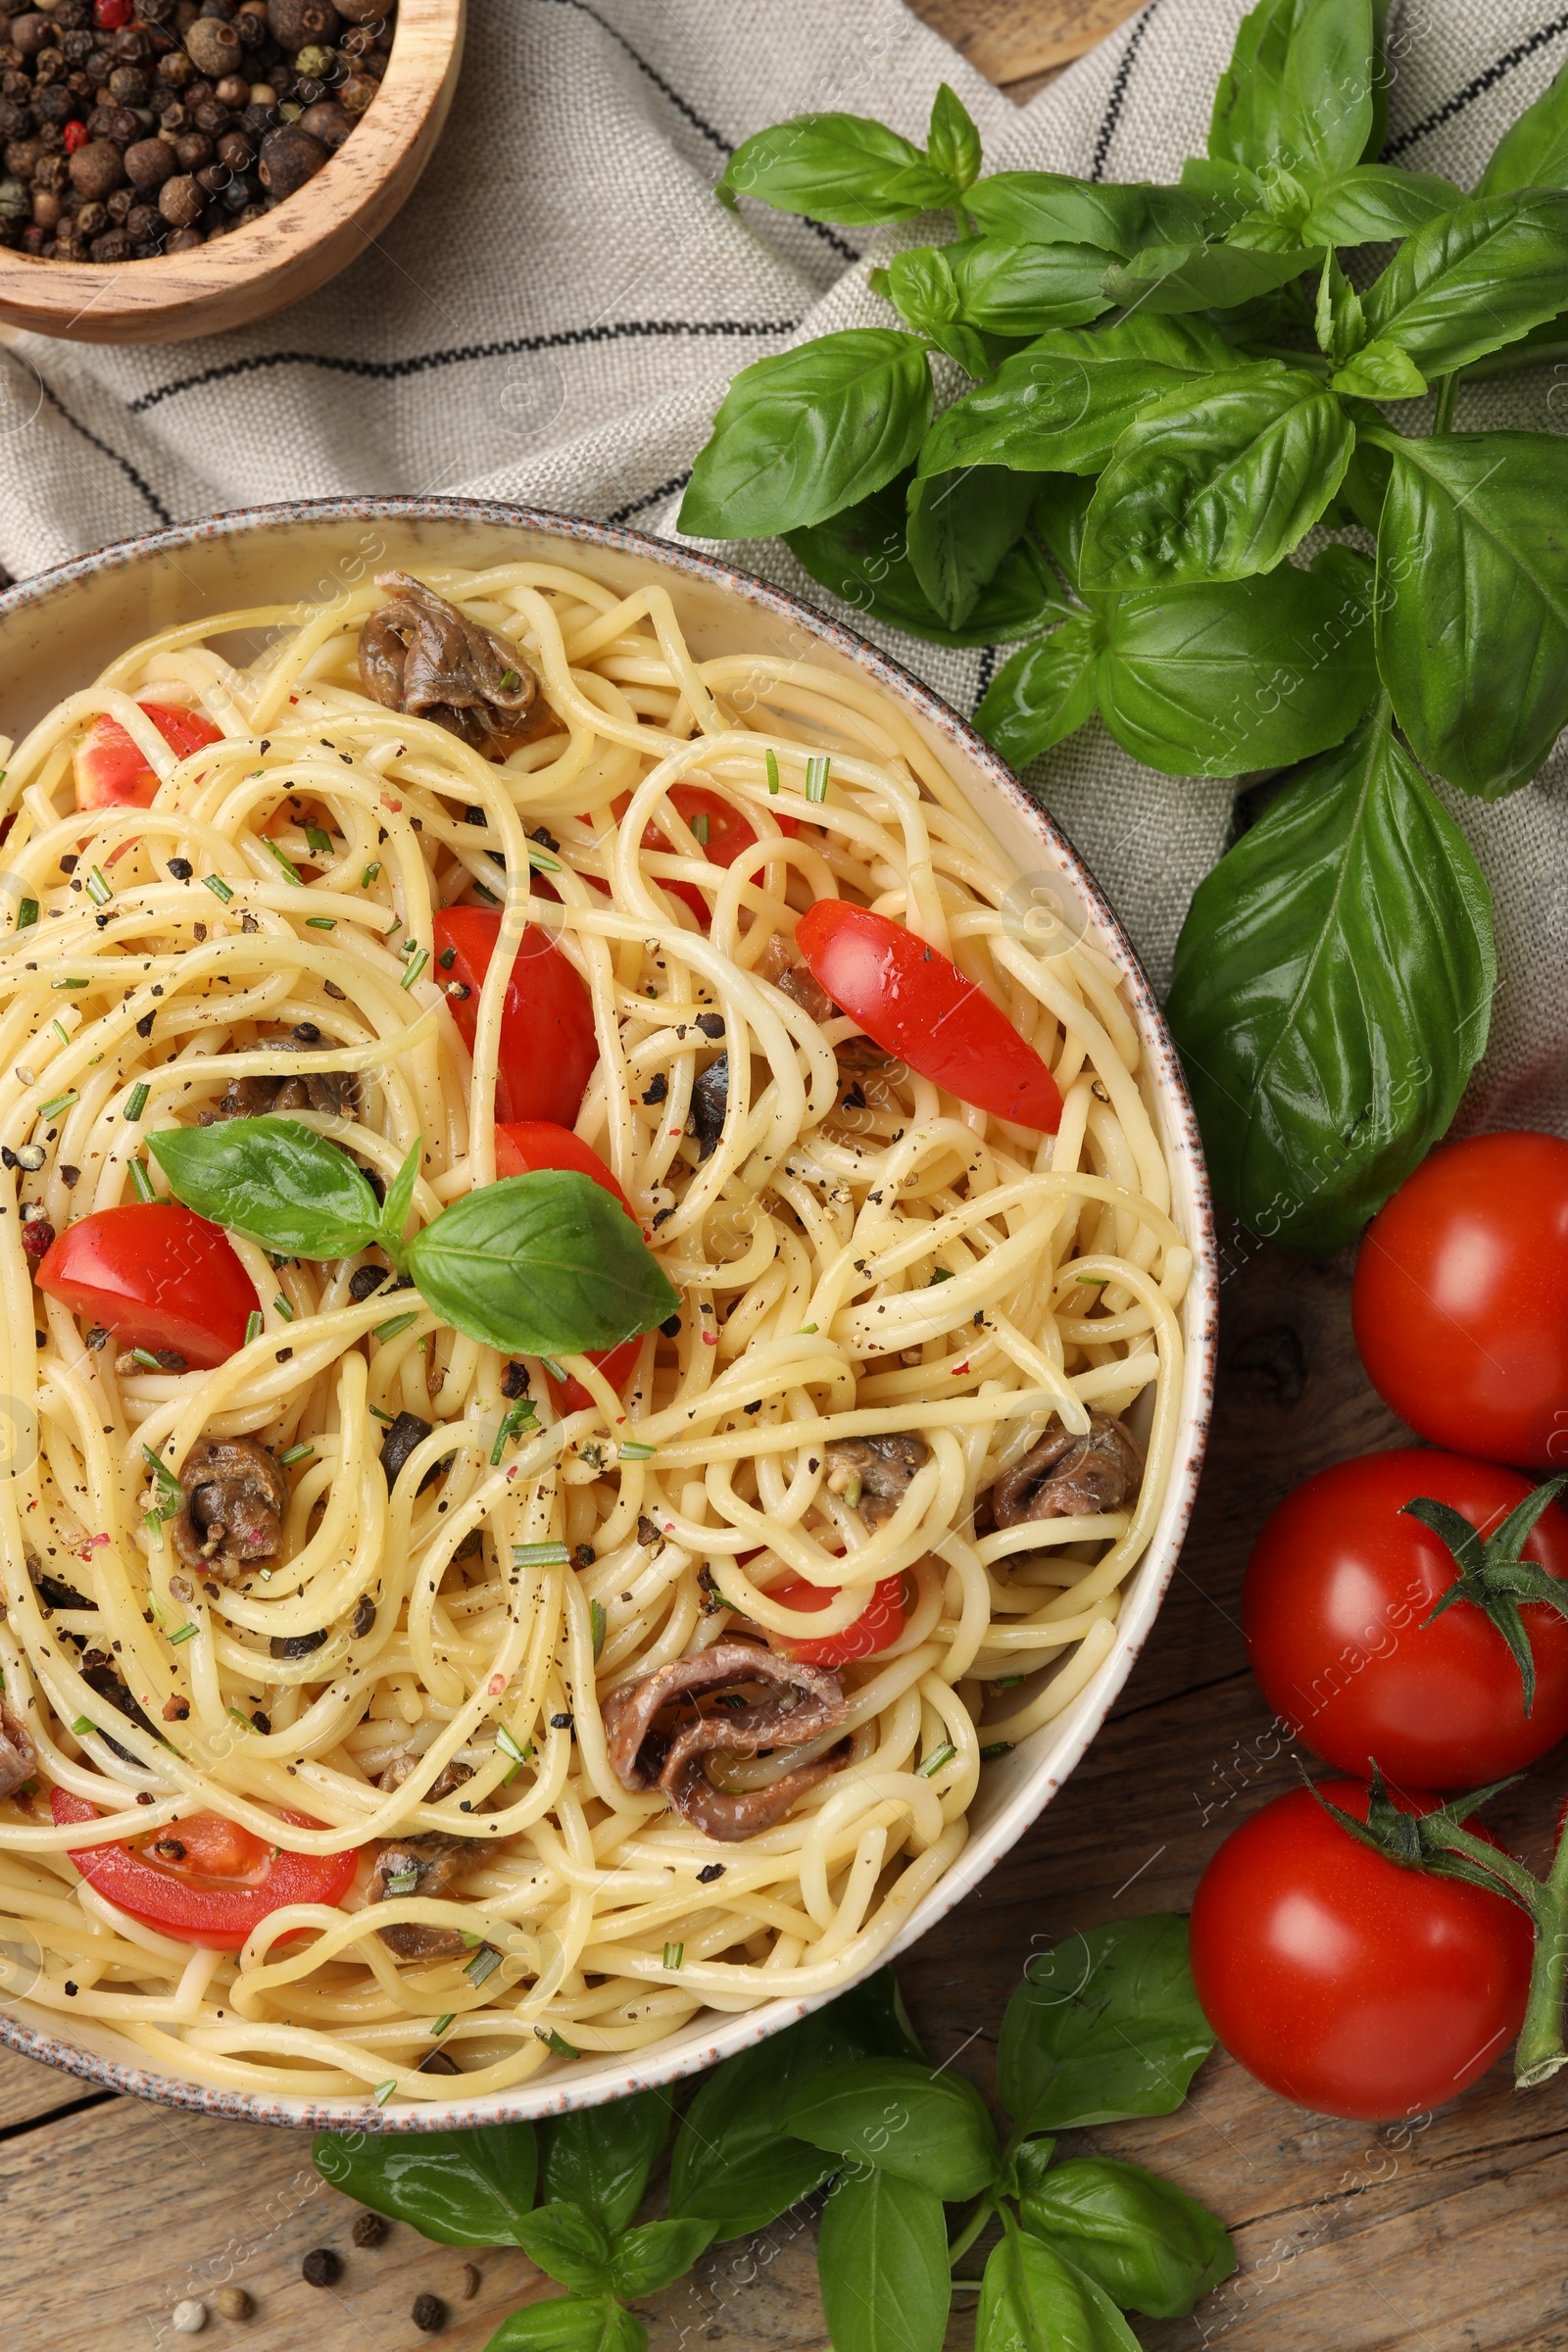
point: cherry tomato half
(1342, 1981)
(111, 772)
(523, 1145)
(721, 831)
(912, 1001)
(222, 1885)
(158, 1276)
(1460, 1304)
(877, 1627)
(548, 1046)
(1338, 1588)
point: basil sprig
(1199, 356)
(542, 1264)
(1104, 2026)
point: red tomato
(1345, 1982)
(524, 1144)
(877, 1627)
(226, 1882)
(548, 1046)
(912, 1001)
(728, 833)
(158, 1275)
(1460, 1305)
(1337, 1590)
(111, 773)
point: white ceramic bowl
(59, 627)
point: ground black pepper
(134, 128)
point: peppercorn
(327, 121)
(192, 149)
(234, 2302)
(96, 170)
(429, 2314)
(29, 34)
(15, 202)
(183, 240)
(46, 208)
(358, 92)
(129, 85)
(212, 117)
(56, 104)
(232, 91)
(214, 178)
(176, 69)
(182, 202)
(149, 163)
(145, 223)
(320, 2268)
(241, 190)
(314, 62)
(289, 158)
(370, 2228)
(120, 204)
(214, 46)
(112, 246)
(294, 22)
(362, 12)
(236, 150)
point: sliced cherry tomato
(1342, 1981)
(1337, 1590)
(548, 1046)
(523, 1145)
(721, 831)
(112, 773)
(912, 1001)
(158, 1276)
(217, 1891)
(1460, 1305)
(877, 1627)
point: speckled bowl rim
(612, 2074)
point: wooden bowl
(258, 269)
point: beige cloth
(554, 314)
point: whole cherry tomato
(913, 1001)
(523, 1145)
(548, 1046)
(111, 772)
(1337, 1589)
(1460, 1305)
(205, 1881)
(158, 1276)
(877, 1627)
(1341, 1980)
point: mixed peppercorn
(134, 128)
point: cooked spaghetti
(560, 1698)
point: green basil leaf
(1151, 2248)
(1223, 191)
(809, 432)
(1031, 2163)
(276, 1181)
(1058, 516)
(966, 345)
(952, 143)
(1173, 278)
(1379, 370)
(921, 285)
(961, 527)
(1041, 694)
(1341, 324)
(1104, 2026)
(1032, 2298)
(1218, 481)
(898, 2116)
(1332, 992)
(882, 2262)
(1542, 347)
(463, 2187)
(1473, 602)
(1059, 406)
(568, 2244)
(730, 2163)
(1533, 153)
(398, 1201)
(599, 2157)
(863, 556)
(1265, 232)
(543, 1265)
(1474, 280)
(842, 167)
(1014, 289)
(1050, 208)
(657, 2254)
(1298, 91)
(1372, 203)
(1233, 677)
(571, 2324)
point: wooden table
(1360, 2240)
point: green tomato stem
(1540, 2050)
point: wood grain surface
(1350, 2240)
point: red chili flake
(77, 135)
(110, 15)
(958, 1368)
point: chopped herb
(295, 1453)
(487, 898)
(508, 1746)
(287, 863)
(147, 1360)
(449, 2017)
(26, 914)
(369, 874)
(186, 1633)
(539, 1555)
(243, 1721)
(416, 967)
(381, 1416)
(49, 1111)
(320, 842)
(1004, 1682)
(252, 1325)
(162, 1473)
(997, 1747)
(141, 1179)
(817, 775)
(98, 888)
(933, 1763)
(447, 959)
(509, 678)
(383, 2091)
(630, 1452)
(136, 1100)
(674, 1954)
(219, 887)
(555, 1371)
(389, 1331)
(82, 1726)
(513, 1424)
(701, 827)
(772, 772)
(486, 1960)
(555, 2042)
(543, 865)
(283, 1307)
(58, 984)
(321, 922)
(403, 1882)
(62, 1032)
(596, 1618)
(941, 1274)
(807, 1331)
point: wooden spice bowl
(308, 239)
